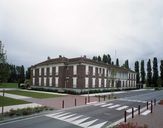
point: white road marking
(92, 102)
(99, 104)
(106, 105)
(86, 124)
(130, 110)
(121, 108)
(73, 118)
(50, 115)
(133, 100)
(58, 116)
(98, 125)
(77, 122)
(114, 106)
(146, 112)
(65, 117)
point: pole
(75, 101)
(139, 109)
(63, 104)
(132, 112)
(85, 100)
(151, 106)
(147, 104)
(125, 114)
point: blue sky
(31, 30)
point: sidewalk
(152, 120)
(21, 106)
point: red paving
(69, 101)
(152, 120)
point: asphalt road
(95, 115)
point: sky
(32, 30)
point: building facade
(80, 74)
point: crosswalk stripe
(58, 116)
(130, 110)
(77, 122)
(49, 115)
(114, 106)
(86, 124)
(98, 125)
(146, 112)
(106, 105)
(73, 118)
(99, 104)
(121, 108)
(65, 117)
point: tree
(149, 73)
(142, 72)
(137, 71)
(95, 58)
(99, 58)
(105, 58)
(126, 64)
(109, 59)
(28, 73)
(4, 70)
(161, 72)
(117, 62)
(155, 72)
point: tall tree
(142, 72)
(137, 71)
(109, 59)
(126, 64)
(149, 73)
(99, 58)
(95, 58)
(4, 69)
(22, 74)
(105, 58)
(155, 72)
(117, 62)
(28, 73)
(161, 72)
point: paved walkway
(152, 120)
(15, 107)
(13, 96)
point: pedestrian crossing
(79, 120)
(119, 107)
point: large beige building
(80, 74)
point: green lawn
(5, 101)
(32, 94)
(8, 85)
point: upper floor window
(86, 69)
(94, 71)
(33, 72)
(39, 71)
(56, 70)
(50, 71)
(75, 69)
(44, 71)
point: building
(80, 74)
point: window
(94, 71)
(99, 84)
(39, 81)
(74, 82)
(86, 82)
(56, 70)
(75, 69)
(44, 81)
(39, 71)
(33, 81)
(56, 81)
(105, 72)
(44, 71)
(93, 82)
(105, 83)
(50, 81)
(33, 72)
(86, 69)
(50, 71)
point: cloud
(33, 30)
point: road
(95, 115)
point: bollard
(147, 104)
(151, 106)
(125, 114)
(85, 100)
(132, 112)
(98, 98)
(63, 104)
(139, 109)
(104, 97)
(154, 101)
(88, 99)
(75, 101)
